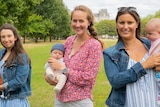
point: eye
(81, 21)
(74, 21)
(2, 36)
(121, 22)
(130, 23)
(149, 33)
(9, 35)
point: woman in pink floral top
(83, 54)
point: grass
(42, 93)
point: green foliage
(60, 18)
(106, 27)
(37, 18)
(157, 14)
(10, 10)
(55, 11)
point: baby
(57, 52)
(152, 30)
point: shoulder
(24, 57)
(70, 38)
(110, 50)
(146, 41)
(93, 45)
(2, 51)
(115, 48)
(93, 42)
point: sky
(144, 7)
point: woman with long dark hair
(15, 69)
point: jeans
(80, 103)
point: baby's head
(57, 51)
(152, 29)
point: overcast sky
(144, 7)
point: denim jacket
(16, 78)
(115, 62)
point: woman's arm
(119, 76)
(49, 81)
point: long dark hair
(17, 49)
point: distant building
(102, 15)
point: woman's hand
(1, 88)
(55, 64)
(152, 62)
(157, 68)
(49, 81)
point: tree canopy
(37, 19)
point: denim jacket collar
(120, 44)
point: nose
(125, 25)
(57, 55)
(77, 24)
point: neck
(131, 44)
(82, 38)
(5, 57)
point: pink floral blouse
(83, 68)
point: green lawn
(42, 93)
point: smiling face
(80, 22)
(7, 38)
(126, 26)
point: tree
(17, 13)
(11, 10)
(157, 14)
(106, 27)
(38, 27)
(61, 19)
(55, 11)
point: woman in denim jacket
(127, 64)
(15, 69)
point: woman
(15, 69)
(128, 65)
(83, 53)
